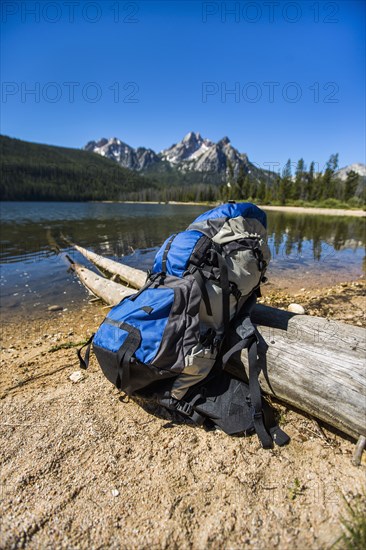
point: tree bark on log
(314, 364)
(110, 292)
(134, 277)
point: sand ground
(295, 209)
(323, 211)
(83, 468)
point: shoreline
(316, 210)
(289, 209)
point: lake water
(307, 250)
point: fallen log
(315, 364)
(110, 292)
(309, 362)
(134, 277)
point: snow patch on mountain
(135, 159)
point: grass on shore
(327, 203)
(354, 525)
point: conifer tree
(253, 190)
(246, 188)
(328, 183)
(240, 183)
(261, 191)
(309, 185)
(298, 186)
(351, 184)
(285, 183)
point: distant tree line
(31, 171)
(304, 186)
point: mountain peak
(224, 141)
(192, 137)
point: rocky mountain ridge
(192, 154)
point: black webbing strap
(84, 361)
(226, 290)
(251, 343)
(202, 286)
(166, 251)
(256, 397)
(125, 353)
(238, 347)
(149, 282)
(187, 409)
(279, 436)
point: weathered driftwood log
(110, 292)
(315, 364)
(311, 363)
(134, 277)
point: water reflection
(301, 245)
(291, 231)
(119, 229)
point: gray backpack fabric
(242, 245)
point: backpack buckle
(235, 291)
(184, 408)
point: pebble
(115, 492)
(76, 376)
(55, 308)
(296, 308)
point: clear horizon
(280, 79)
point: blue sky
(149, 72)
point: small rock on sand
(296, 308)
(55, 308)
(76, 376)
(115, 492)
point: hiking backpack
(171, 339)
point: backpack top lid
(234, 210)
(187, 247)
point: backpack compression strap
(226, 290)
(166, 251)
(249, 340)
(84, 361)
(197, 274)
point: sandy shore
(82, 468)
(324, 211)
(291, 209)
